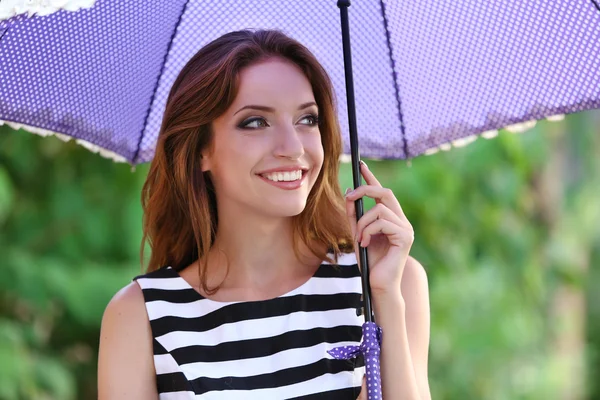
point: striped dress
(272, 349)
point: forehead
(273, 80)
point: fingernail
(348, 191)
(364, 163)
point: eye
(253, 123)
(311, 119)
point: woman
(245, 219)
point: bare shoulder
(414, 278)
(126, 298)
(415, 292)
(127, 307)
(125, 359)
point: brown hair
(178, 199)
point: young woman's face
(267, 150)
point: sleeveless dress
(271, 349)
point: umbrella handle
(356, 177)
(370, 347)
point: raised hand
(384, 230)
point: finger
(368, 175)
(380, 194)
(400, 236)
(351, 214)
(378, 212)
(363, 390)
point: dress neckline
(224, 303)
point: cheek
(314, 147)
(233, 150)
(229, 160)
(239, 159)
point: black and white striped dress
(272, 349)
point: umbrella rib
(162, 68)
(6, 24)
(394, 77)
(596, 4)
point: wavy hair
(178, 199)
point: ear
(205, 162)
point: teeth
(284, 176)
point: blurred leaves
(6, 195)
(504, 228)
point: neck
(258, 250)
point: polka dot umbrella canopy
(427, 76)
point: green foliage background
(508, 230)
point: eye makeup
(244, 124)
(260, 122)
(314, 117)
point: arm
(404, 319)
(125, 359)
(398, 287)
(415, 291)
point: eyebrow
(270, 109)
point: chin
(287, 209)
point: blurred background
(508, 230)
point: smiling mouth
(287, 176)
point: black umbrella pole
(356, 176)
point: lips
(284, 176)
(286, 185)
(288, 168)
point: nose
(289, 142)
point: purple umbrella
(427, 77)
